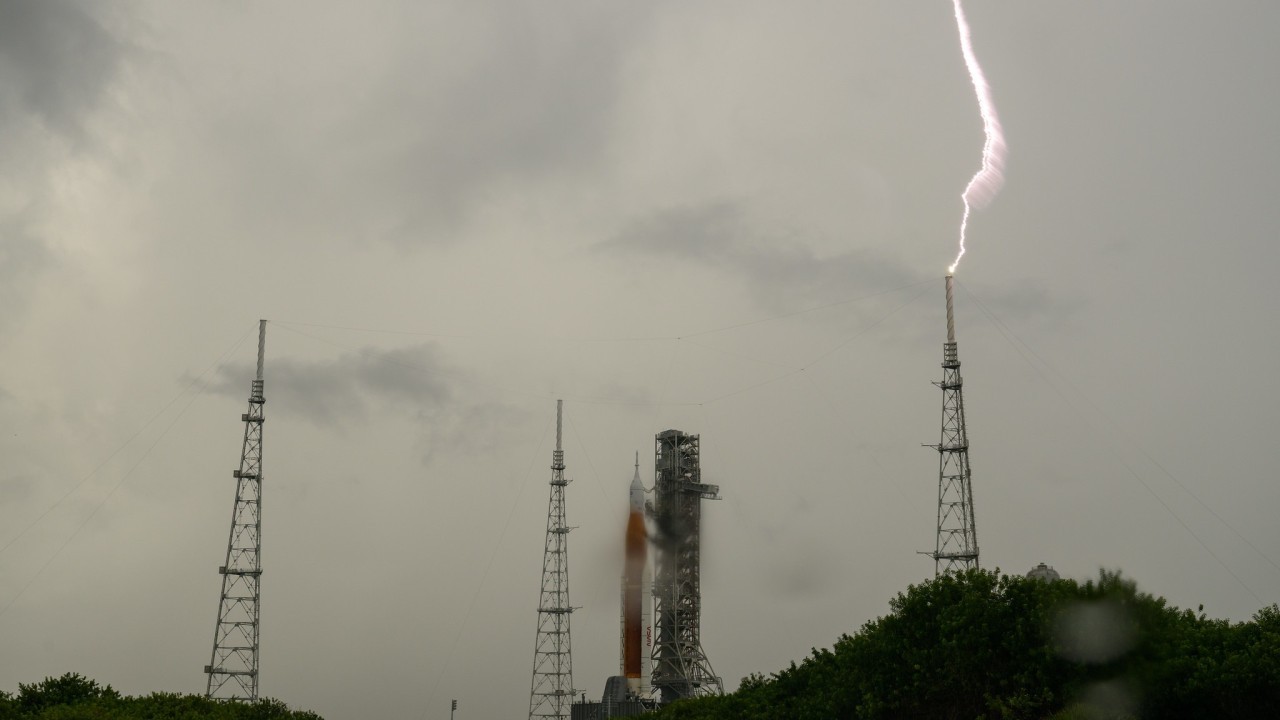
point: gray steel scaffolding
(956, 547)
(233, 667)
(680, 666)
(551, 693)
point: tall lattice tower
(957, 543)
(680, 666)
(233, 668)
(552, 691)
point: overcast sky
(731, 218)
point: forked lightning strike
(986, 183)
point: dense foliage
(987, 645)
(73, 697)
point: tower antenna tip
(951, 318)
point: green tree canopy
(987, 645)
(74, 697)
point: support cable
(600, 339)
(123, 478)
(1027, 353)
(435, 685)
(197, 379)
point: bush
(992, 646)
(73, 697)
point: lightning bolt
(986, 183)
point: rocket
(633, 586)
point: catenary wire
(102, 502)
(524, 481)
(1128, 438)
(585, 399)
(1009, 337)
(57, 503)
(602, 339)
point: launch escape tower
(956, 548)
(233, 667)
(552, 691)
(680, 666)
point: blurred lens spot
(1093, 632)
(1111, 700)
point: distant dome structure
(1044, 572)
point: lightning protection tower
(552, 691)
(233, 668)
(680, 666)
(956, 548)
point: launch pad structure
(680, 666)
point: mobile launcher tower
(680, 666)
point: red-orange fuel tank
(633, 587)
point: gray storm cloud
(628, 205)
(57, 62)
(339, 391)
(780, 272)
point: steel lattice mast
(956, 548)
(233, 667)
(551, 693)
(680, 666)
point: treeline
(987, 645)
(73, 697)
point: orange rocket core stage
(632, 642)
(633, 586)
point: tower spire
(233, 666)
(552, 691)
(956, 547)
